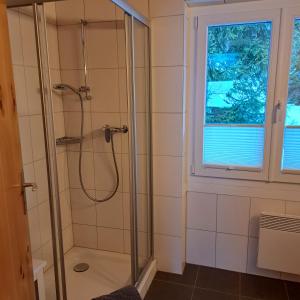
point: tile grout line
(286, 290)
(195, 283)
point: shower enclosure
(82, 75)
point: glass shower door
(141, 162)
(143, 142)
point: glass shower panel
(143, 142)
(26, 25)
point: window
(238, 58)
(291, 144)
(246, 92)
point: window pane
(238, 58)
(237, 73)
(234, 146)
(291, 145)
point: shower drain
(82, 267)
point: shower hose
(108, 197)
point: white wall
(222, 217)
(102, 226)
(167, 24)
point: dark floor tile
(263, 288)
(161, 290)
(188, 277)
(201, 294)
(293, 289)
(220, 280)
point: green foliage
(294, 81)
(239, 53)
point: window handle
(277, 113)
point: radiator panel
(279, 243)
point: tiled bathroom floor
(203, 283)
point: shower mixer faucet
(110, 130)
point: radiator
(279, 243)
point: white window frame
(281, 95)
(199, 21)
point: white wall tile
(167, 176)
(252, 261)
(126, 210)
(164, 141)
(15, 37)
(168, 253)
(293, 208)
(28, 34)
(105, 176)
(233, 214)
(37, 136)
(34, 228)
(50, 12)
(160, 8)
(143, 213)
(59, 125)
(47, 254)
(62, 169)
(104, 90)
(202, 211)
(110, 239)
(141, 180)
(25, 138)
(41, 177)
(125, 173)
(68, 240)
(70, 48)
(167, 41)
(33, 91)
(167, 89)
(69, 11)
(73, 128)
(83, 209)
(20, 87)
(102, 45)
(110, 213)
(141, 133)
(65, 208)
(53, 46)
(260, 205)
(127, 241)
(88, 174)
(45, 222)
(231, 252)
(96, 10)
(123, 90)
(167, 216)
(201, 247)
(85, 236)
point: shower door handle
(31, 185)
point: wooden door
(16, 278)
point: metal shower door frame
(50, 148)
(131, 88)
